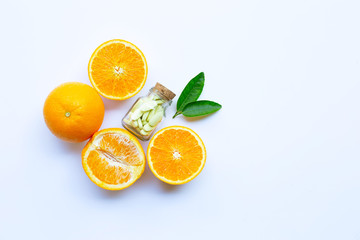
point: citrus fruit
(113, 159)
(176, 155)
(73, 111)
(117, 69)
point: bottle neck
(158, 93)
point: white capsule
(137, 105)
(157, 117)
(134, 124)
(144, 133)
(151, 113)
(145, 115)
(159, 101)
(155, 97)
(136, 114)
(140, 125)
(148, 127)
(147, 105)
(127, 121)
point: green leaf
(200, 108)
(190, 93)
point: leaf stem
(177, 113)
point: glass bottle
(148, 111)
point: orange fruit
(73, 111)
(117, 69)
(176, 155)
(113, 159)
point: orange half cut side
(113, 159)
(117, 69)
(176, 155)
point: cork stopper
(169, 95)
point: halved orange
(176, 155)
(117, 69)
(113, 159)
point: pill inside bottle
(148, 111)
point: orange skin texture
(73, 111)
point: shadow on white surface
(110, 194)
(197, 119)
(168, 188)
(194, 119)
(80, 184)
(72, 148)
(146, 181)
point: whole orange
(73, 111)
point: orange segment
(117, 69)
(113, 159)
(104, 170)
(176, 155)
(121, 148)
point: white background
(283, 152)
